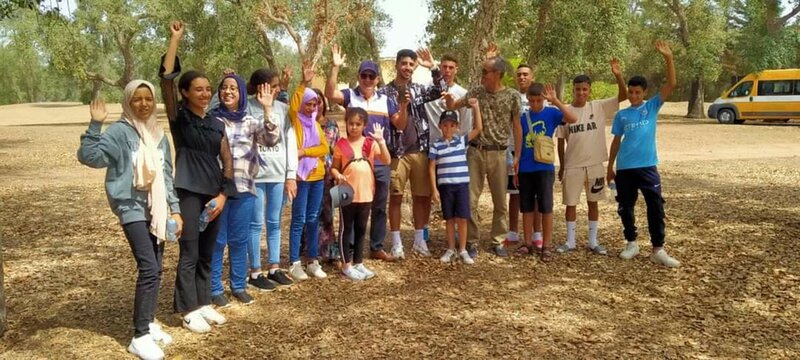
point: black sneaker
(280, 278)
(243, 297)
(261, 283)
(472, 250)
(220, 301)
(501, 251)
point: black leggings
(148, 254)
(193, 280)
(353, 221)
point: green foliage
(600, 90)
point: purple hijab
(306, 165)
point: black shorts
(536, 191)
(455, 201)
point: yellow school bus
(768, 95)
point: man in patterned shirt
(500, 106)
(410, 150)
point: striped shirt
(451, 161)
(380, 109)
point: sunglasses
(485, 72)
(369, 76)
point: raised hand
(377, 133)
(286, 75)
(550, 93)
(98, 110)
(425, 58)
(492, 51)
(449, 100)
(228, 71)
(663, 48)
(265, 95)
(615, 67)
(176, 28)
(338, 57)
(473, 103)
(308, 72)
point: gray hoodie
(115, 150)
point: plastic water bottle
(613, 187)
(204, 215)
(426, 233)
(172, 230)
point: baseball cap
(367, 65)
(341, 195)
(448, 115)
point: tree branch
(267, 11)
(784, 19)
(99, 77)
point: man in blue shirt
(634, 151)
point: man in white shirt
(582, 152)
(449, 68)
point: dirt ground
(733, 219)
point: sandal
(545, 255)
(524, 250)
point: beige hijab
(148, 164)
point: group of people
(246, 149)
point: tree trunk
(97, 85)
(368, 35)
(560, 86)
(266, 49)
(483, 32)
(543, 14)
(2, 293)
(695, 109)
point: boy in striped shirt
(450, 178)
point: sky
(409, 18)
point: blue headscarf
(221, 111)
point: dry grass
(732, 219)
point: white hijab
(148, 165)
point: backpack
(347, 151)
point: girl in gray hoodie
(139, 187)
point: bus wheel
(726, 116)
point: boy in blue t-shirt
(634, 150)
(535, 179)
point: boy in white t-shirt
(582, 162)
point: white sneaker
(316, 270)
(296, 272)
(398, 253)
(368, 274)
(448, 256)
(211, 316)
(159, 335)
(353, 274)
(194, 322)
(422, 248)
(466, 258)
(145, 348)
(631, 250)
(661, 257)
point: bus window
(797, 87)
(742, 90)
(775, 87)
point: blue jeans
(305, 212)
(270, 194)
(234, 231)
(377, 226)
